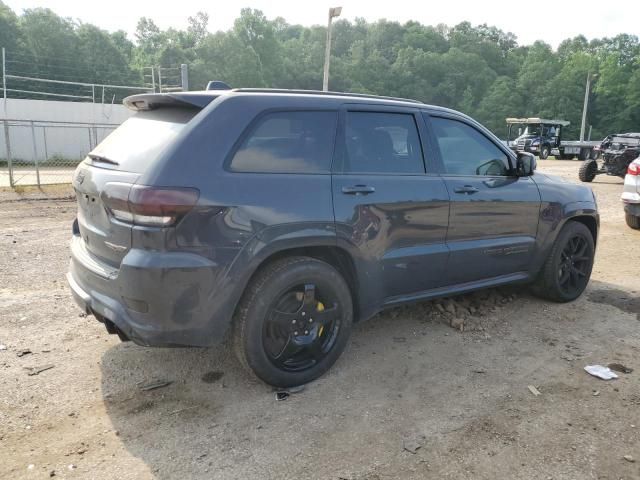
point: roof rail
(321, 92)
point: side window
(466, 151)
(382, 143)
(288, 142)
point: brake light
(152, 206)
(634, 169)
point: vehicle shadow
(216, 421)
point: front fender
(553, 216)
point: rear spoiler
(151, 101)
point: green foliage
(479, 70)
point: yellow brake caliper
(320, 308)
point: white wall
(69, 142)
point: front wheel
(544, 152)
(632, 220)
(567, 270)
(588, 171)
(293, 322)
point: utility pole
(4, 80)
(333, 12)
(585, 106)
(184, 77)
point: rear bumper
(631, 190)
(154, 298)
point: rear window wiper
(101, 159)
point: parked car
(617, 151)
(631, 194)
(285, 216)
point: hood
(560, 190)
(528, 137)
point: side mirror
(526, 164)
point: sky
(558, 20)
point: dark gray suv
(285, 216)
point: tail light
(634, 169)
(152, 206)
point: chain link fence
(39, 153)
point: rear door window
(140, 140)
(288, 142)
(379, 142)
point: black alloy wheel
(575, 265)
(566, 272)
(301, 327)
(294, 321)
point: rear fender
(262, 246)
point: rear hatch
(113, 167)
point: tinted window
(382, 143)
(140, 140)
(288, 142)
(466, 151)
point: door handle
(358, 190)
(466, 189)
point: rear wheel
(567, 270)
(584, 154)
(294, 321)
(632, 220)
(588, 170)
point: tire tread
(633, 221)
(588, 171)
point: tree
(10, 33)
(478, 69)
(501, 101)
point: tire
(566, 272)
(632, 220)
(584, 154)
(544, 152)
(588, 171)
(275, 333)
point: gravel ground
(410, 398)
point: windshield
(135, 144)
(532, 130)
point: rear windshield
(139, 141)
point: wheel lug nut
(295, 333)
(303, 314)
(293, 321)
(311, 320)
(306, 332)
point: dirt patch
(212, 377)
(628, 301)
